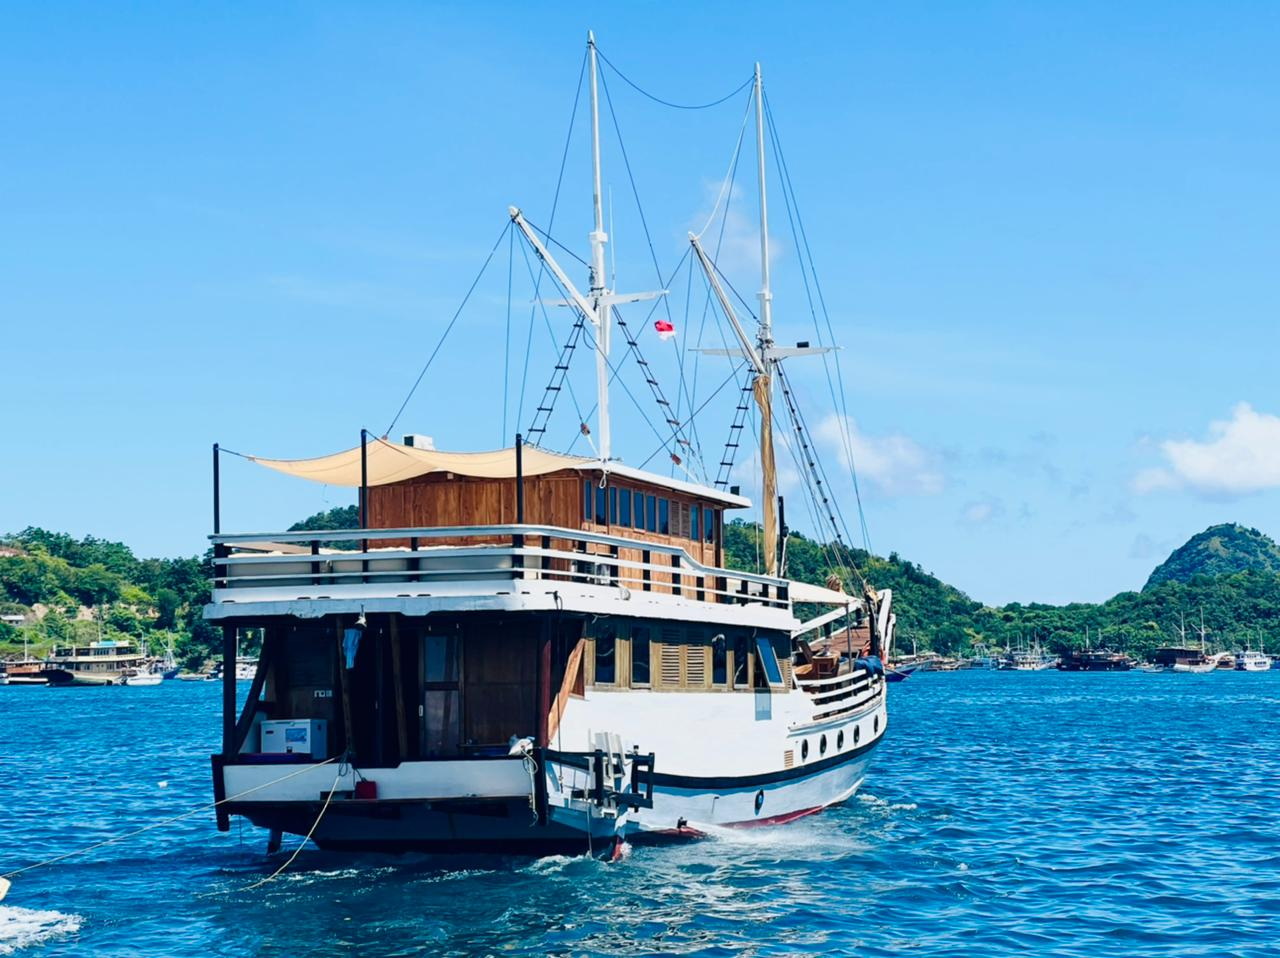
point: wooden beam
(402, 732)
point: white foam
(23, 927)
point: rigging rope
(560, 371)
(801, 237)
(675, 106)
(555, 204)
(728, 379)
(445, 335)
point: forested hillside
(75, 590)
(1219, 550)
(1242, 607)
(69, 589)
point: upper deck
(516, 566)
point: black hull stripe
(731, 782)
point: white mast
(764, 355)
(598, 302)
(766, 295)
(603, 311)
(763, 385)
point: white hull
(721, 760)
(144, 678)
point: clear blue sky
(1047, 234)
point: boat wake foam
(888, 806)
(23, 927)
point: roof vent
(419, 441)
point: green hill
(1219, 550)
(71, 589)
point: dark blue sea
(1005, 814)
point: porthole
(822, 745)
(857, 733)
(804, 750)
(840, 740)
(759, 800)
(875, 725)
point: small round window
(759, 800)
(840, 740)
(857, 733)
(804, 750)
(822, 745)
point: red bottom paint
(777, 819)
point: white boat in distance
(1251, 660)
(140, 676)
(524, 650)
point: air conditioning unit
(418, 441)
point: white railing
(300, 563)
(841, 694)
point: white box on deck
(299, 736)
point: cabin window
(638, 518)
(613, 506)
(651, 513)
(640, 664)
(587, 500)
(606, 660)
(719, 661)
(769, 662)
(709, 525)
(695, 518)
(624, 508)
(740, 659)
(664, 517)
(601, 516)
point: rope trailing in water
(168, 821)
(311, 831)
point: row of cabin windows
(665, 658)
(633, 509)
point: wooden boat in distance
(1095, 660)
(26, 672)
(1184, 660)
(99, 663)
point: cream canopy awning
(389, 462)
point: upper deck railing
(458, 557)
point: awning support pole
(228, 690)
(217, 492)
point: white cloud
(894, 464)
(738, 249)
(1241, 456)
(982, 511)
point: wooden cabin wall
(440, 499)
(556, 499)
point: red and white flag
(664, 329)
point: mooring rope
(311, 831)
(178, 818)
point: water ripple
(1045, 814)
